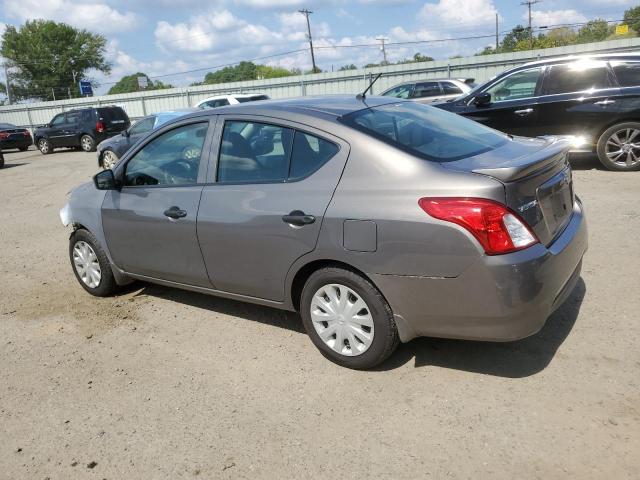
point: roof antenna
(363, 95)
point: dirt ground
(163, 384)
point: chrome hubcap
(622, 148)
(44, 146)
(86, 144)
(109, 159)
(342, 320)
(86, 264)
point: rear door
(265, 202)
(579, 98)
(514, 103)
(427, 92)
(150, 224)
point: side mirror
(126, 133)
(106, 180)
(482, 99)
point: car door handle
(523, 113)
(298, 218)
(605, 102)
(175, 213)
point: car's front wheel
(90, 264)
(87, 143)
(347, 318)
(44, 146)
(619, 147)
(109, 159)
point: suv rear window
(113, 115)
(426, 132)
(252, 98)
(576, 77)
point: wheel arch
(613, 124)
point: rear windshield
(425, 131)
(253, 98)
(113, 115)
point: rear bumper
(499, 298)
(18, 143)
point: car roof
(576, 58)
(227, 95)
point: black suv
(83, 128)
(595, 98)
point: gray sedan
(378, 221)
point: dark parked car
(14, 137)
(378, 220)
(110, 150)
(427, 91)
(595, 98)
(82, 128)
(1, 159)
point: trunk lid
(537, 179)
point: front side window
(426, 132)
(627, 73)
(254, 152)
(576, 77)
(170, 159)
(57, 120)
(401, 91)
(426, 89)
(143, 126)
(521, 84)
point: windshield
(425, 131)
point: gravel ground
(160, 383)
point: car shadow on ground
(585, 161)
(517, 359)
(511, 359)
(11, 165)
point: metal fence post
(303, 90)
(448, 70)
(29, 116)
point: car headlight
(65, 215)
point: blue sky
(166, 36)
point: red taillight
(26, 133)
(4, 135)
(99, 126)
(498, 229)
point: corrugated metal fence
(140, 104)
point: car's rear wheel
(44, 146)
(87, 143)
(347, 318)
(619, 147)
(90, 264)
(1, 160)
(109, 159)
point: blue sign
(85, 88)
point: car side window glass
(521, 84)
(254, 152)
(57, 120)
(222, 102)
(309, 153)
(402, 91)
(143, 126)
(627, 73)
(576, 77)
(450, 89)
(426, 89)
(86, 116)
(172, 158)
(73, 118)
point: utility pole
(306, 13)
(382, 40)
(6, 76)
(497, 35)
(528, 3)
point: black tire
(602, 148)
(44, 146)
(23, 149)
(1, 160)
(87, 143)
(107, 285)
(385, 339)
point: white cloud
(541, 18)
(92, 16)
(272, 3)
(452, 14)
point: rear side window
(426, 89)
(426, 132)
(215, 103)
(576, 77)
(309, 154)
(627, 73)
(252, 98)
(451, 89)
(73, 117)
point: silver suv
(377, 221)
(428, 91)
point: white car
(222, 100)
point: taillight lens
(99, 126)
(498, 229)
(4, 135)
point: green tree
(266, 71)
(245, 71)
(344, 68)
(129, 84)
(44, 55)
(594, 31)
(511, 39)
(632, 18)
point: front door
(514, 104)
(56, 131)
(150, 224)
(273, 185)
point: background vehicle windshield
(426, 131)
